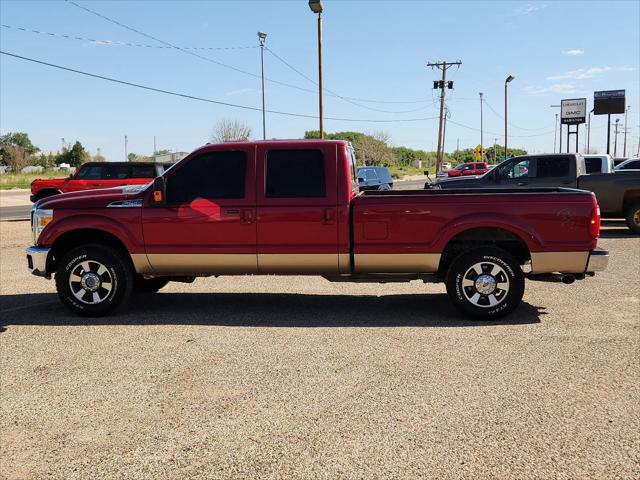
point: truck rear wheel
(93, 280)
(485, 283)
(632, 217)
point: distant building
(169, 157)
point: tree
(19, 139)
(15, 157)
(132, 157)
(98, 157)
(229, 131)
(163, 151)
(373, 151)
(75, 156)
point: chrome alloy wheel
(90, 282)
(485, 284)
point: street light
(481, 132)
(316, 7)
(589, 132)
(506, 82)
(261, 38)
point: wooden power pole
(442, 85)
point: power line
(511, 124)
(208, 100)
(346, 99)
(494, 133)
(208, 59)
(118, 43)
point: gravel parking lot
(300, 378)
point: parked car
(595, 163)
(631, 164)
(470, 168)
(93, 175)
(374, 178)
(618, 193)
(292, 208)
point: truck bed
(408, 226)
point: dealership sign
(608, 102)
(573, 111)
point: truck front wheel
(485, 283)
(632, 217)
(93, 280)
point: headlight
(39, 220)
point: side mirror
(159, 192)
(360, 179)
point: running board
(384, 278)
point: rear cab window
(143, 171)
(553, 167)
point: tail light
(594, 224)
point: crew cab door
(208, 225)
(297, 209)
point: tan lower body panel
(396, 262)
(298, 262)
(201, 263)
(562, 262)
(141, 263)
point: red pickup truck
(469, 168)
(94, 175)
(293, 208)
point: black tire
(148, 285)
(632, 217)
(496, 294)
(86, 263)
(45, 194)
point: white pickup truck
(596, 163)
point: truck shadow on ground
(616, 229)
(262, 310)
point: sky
(376, 76)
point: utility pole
(559, 129)
(506, 114)
(615, 142)
(589, 132)
(261, 38)
(555, 134)
(495, 141)
(126, 155)
(154, 145)
(442, 84)
(624, 154)
(444, 129)
(481, 132)
(457, 145)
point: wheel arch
(85, 236)
(477, 237)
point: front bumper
(37, 261)
(598, 260)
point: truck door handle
(247, 216)
(329, 216)
(523, 184)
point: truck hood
(98, 198)
(48, 182)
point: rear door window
(593, 165)
(119, 171)
(143, 171)
(632, 165)
(552, 167)
(90, 172)
(295, 174)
